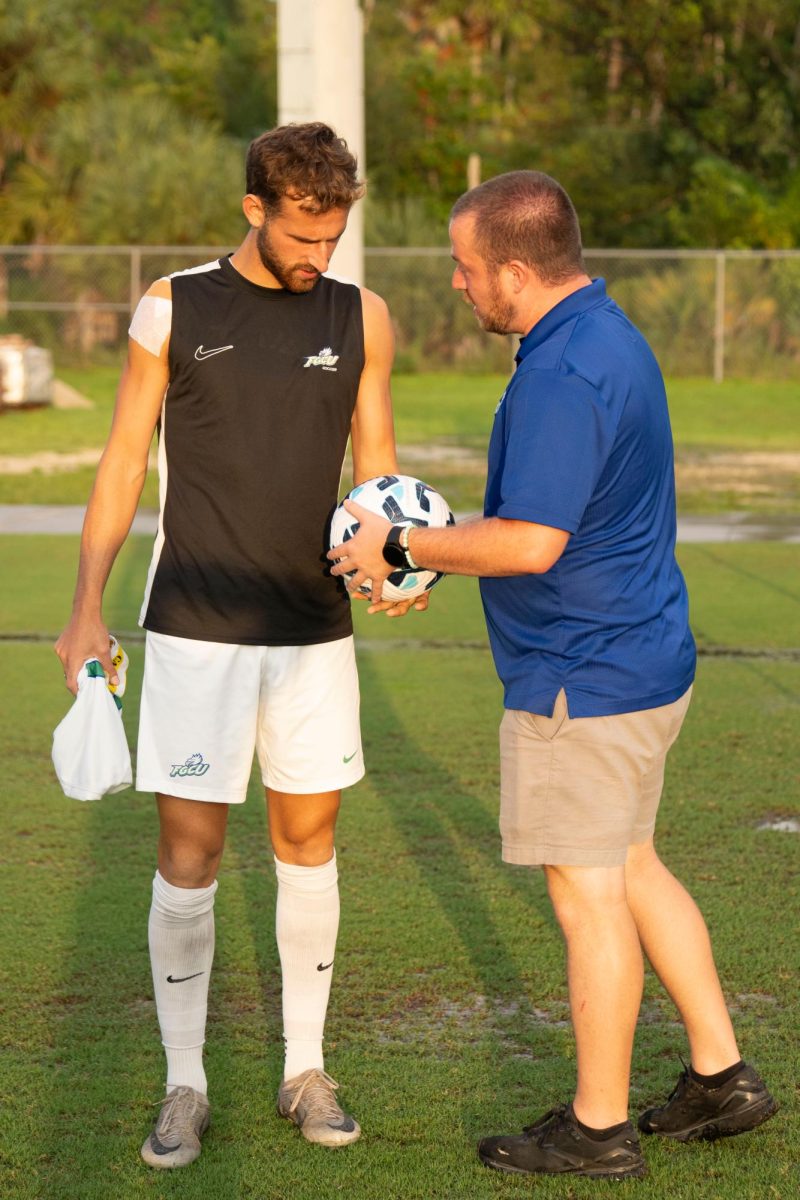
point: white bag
(90, 750)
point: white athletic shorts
(206, 706)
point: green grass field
(449, 411)
(449, 1008)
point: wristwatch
(393, 552)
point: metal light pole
(321, 78)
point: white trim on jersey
(163, 472)
(209, 266)
(158, 545)
(341, 279)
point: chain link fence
(719, 314)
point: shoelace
(683, 1082)
(175, 1117)
(554, 1118)
(319, 1088)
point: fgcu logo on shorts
(194, 765)
(325, 359)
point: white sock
(181, 934)
(306, 924)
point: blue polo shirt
(581, 441)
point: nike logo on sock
(348, 757)
(324, 966)
(183, 978)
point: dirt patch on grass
(48, 462)
(755, 475)
(66, 396)
(759, 480)
(427, 1019)
(780, 824)
(462, 459)
(51, 462)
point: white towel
(90, 750)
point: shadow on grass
(108, 1064)
(444, 825)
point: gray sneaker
(175, 1141)
(308, 1100)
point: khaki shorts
(577, 792)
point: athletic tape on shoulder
(151, 323)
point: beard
(498, 314)
(285, 273)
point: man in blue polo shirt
(588, 621)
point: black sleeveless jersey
(253, 432)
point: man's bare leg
(605, 977)
(302, 827)
(191, 840)
(718, 1095)
(675, 939)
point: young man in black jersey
(256, 370)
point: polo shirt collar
(571, 306)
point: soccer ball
(404, 501)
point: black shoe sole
(720, 1127)
(635, 1171)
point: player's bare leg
(605, 976)
(181, 935)
(301, 827)
(306, 922)
(191, 840)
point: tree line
(671, 124)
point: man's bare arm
(491, 546)
(112, 505)
(372, 427)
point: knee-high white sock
(181, 934)
(306, 924)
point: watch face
(394, 555)
(393, 552)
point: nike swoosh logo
(200, 353)
(183, 978)
(349, 757)
(324, 966)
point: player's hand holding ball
(369, 511)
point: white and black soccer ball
(403, 500)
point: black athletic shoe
(555, 1144)
(694, 1111)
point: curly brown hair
(525, 215)
(304, 162)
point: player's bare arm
(112, 504)
(372, 427)
(490, 546)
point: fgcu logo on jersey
(194, 765)
(325, 359)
